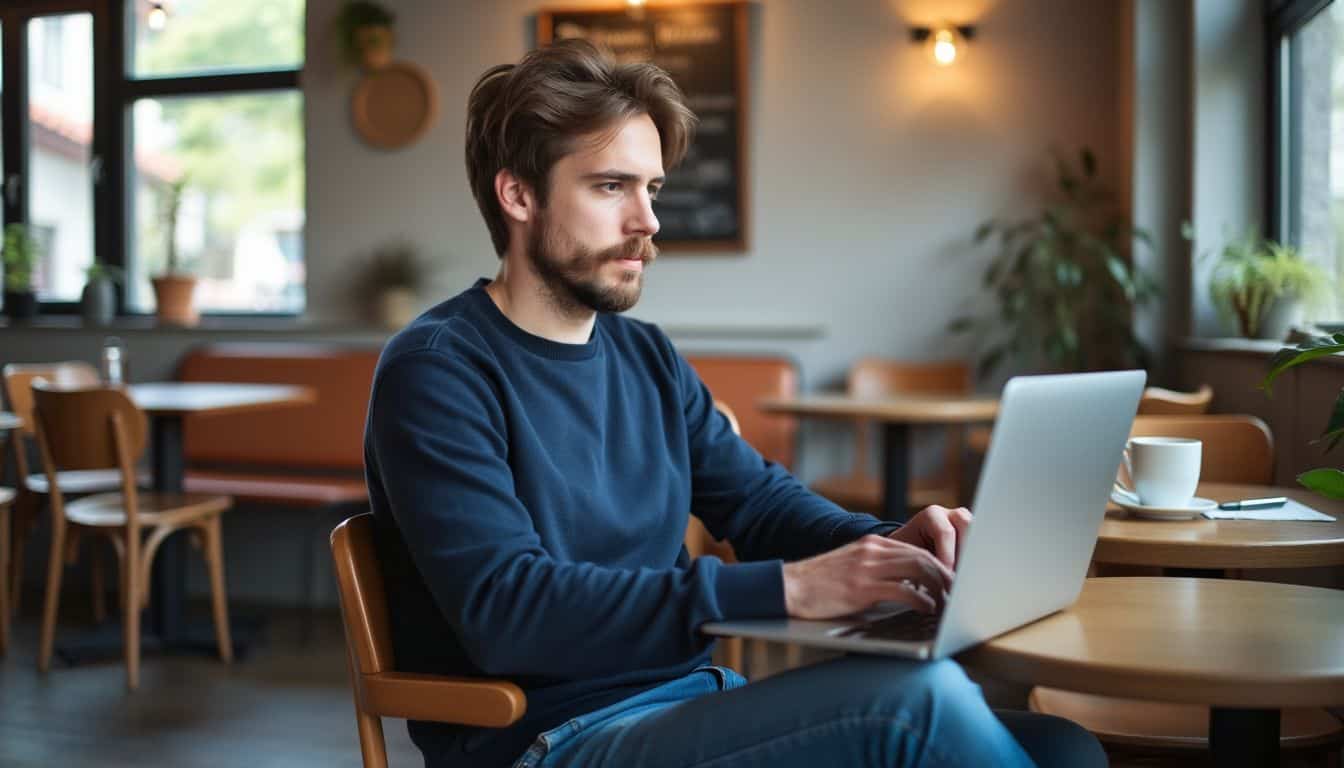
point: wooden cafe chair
(6, 501)
(381, 691)
(32, 487)
(1236, 449)
(860, 489)
(100, 428)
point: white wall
(870, 167)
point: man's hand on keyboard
(863, 573)
(937, 529)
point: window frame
(115, 91)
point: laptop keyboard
(910, 627)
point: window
(1307, 95)
(145, 141)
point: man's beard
(570, 271)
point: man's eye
(611, 186)
(653, 192)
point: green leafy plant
(1252, 273)
(98, 271)
(354, 16)
(395, 266)
(1326, 481)
(20, 255)
(170, 204)
(1064, 284)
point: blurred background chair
(6, 500)
(32, 486)
(1236, 448)
(101, 429)
(379, 690)
(860, 489)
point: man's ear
(516, 198)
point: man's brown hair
(526, 116)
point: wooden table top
(9, 421)
(1216, 642)
(1201, 543)
(909, 409)
(180, 398)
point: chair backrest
(19, 378)
(381, 691)
(1157, 401)
(88, 428)
(875, 377)
(698, 541)
(327, 434)
(740, 382)
(1237, 448)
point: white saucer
(1197, 505)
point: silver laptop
(1038, 508)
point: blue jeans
(853, 711)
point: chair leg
(214, 559)
(96, 580)
(55, 566)
(4, 582)
(25, 510)
(371, 739)
(130, 610)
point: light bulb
(634, 3)
(157, 18)
(944, 47)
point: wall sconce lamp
(157, 18)
(945, 41)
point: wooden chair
(98, 429)
(6, 500)
(379, 690)
(1157, 401)
(860, 489)
(1236, 449)
(32, 486)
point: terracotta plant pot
(374, 43)
(175, 300)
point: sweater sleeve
(757, 505)
(438, 441)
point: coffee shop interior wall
(869, 170)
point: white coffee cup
(1164, 471)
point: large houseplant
(1260, 285)
(1325, 481)
(365, 31)
(175, 288)
(1063, 283)
(20, 256)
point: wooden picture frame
(704, 206)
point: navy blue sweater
(531, 500)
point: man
(533, 456)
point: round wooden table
(896, 414)
(1201, 543)
(1246, 649)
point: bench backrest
(327, 435)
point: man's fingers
(914, 563)
(907, 593)
(944, 535)
(961, 521)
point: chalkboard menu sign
(703, 205)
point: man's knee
(933, 689)
(1053, 741)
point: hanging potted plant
(20, 255)
(174, 289)
(98, 302)
(365, 31)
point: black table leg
(895, 471)
(1244, 738)
(170, 569)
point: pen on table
(1267, 503)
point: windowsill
(1260, 348)
(208, 324)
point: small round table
(897, 414)
(1218, 544)
(1247, 649)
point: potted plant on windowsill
(1064, 284)
(391, 284)
(20, 256)
(175, 288)
(1262, 287)
(1326, 481)
(365, 31)
(98, 302)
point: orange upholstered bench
(310, 456)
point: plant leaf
(1308, 350)
(991, 360)
(983, 231)
(1327, 482)
(1089, 163)
(1334, 430)
(961, 324)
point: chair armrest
(460, 700)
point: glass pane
(222, 177)
(1316, 144)
(185, 37)
(60, 139)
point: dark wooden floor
(286, 705)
